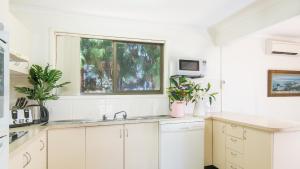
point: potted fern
(44, 81)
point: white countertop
(34, 131)
(261, 123)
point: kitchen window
(96, 65)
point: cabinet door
(208, 147)
(66, 148)
(18, 161)
(219, 141)
(39, 153)
(141, 146)
(258, 149)
(32, 157)
(104, 147)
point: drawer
(234, 157)
(235, 130)
(232, 166)
(234, 143)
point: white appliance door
(4, 152)
(182, 146)
(4, 73)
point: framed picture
(283, 83)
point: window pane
(138, 66)
(96, 66)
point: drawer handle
(121, 133)
(233, 140)
(232, 167)
(233, 125)
(233, 154)
(43, 145)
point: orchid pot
(177, 109)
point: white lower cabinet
(241, 147)
(104, 147)
(66, 148)
(141, 146)
(34, 156)
(258, 150)
(129, 146)
(219, 141)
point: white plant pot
(177, 109)
(189, 108)
(200, 108)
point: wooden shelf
(18, 68)
(18, 64)
(17, 57)
(192, 77)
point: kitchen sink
(148, 117)
(83, 121)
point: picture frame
(283, 83)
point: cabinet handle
(121, 135)
(43, 145)
(232, 167)
(233, 125)
(126, 131)
(29, 157)
(244, 134)
(27, 160)
(233, 154)
(223, 129)
(233, 140)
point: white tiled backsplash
(94, 107)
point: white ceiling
(192, 12)
(289, 29)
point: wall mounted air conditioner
(275, 47)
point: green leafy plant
(182, 89)
(43, 81)
(202, 93)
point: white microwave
(191, 67)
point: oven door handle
(2, 143)
(1, 137)
(3, 41)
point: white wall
(19, 41)
(19, 35)
(4, 11)
(181, 41)
(244, 69)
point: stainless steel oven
(4, 101)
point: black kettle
(40, 113)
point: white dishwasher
(182, 145)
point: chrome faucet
(124, 115)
